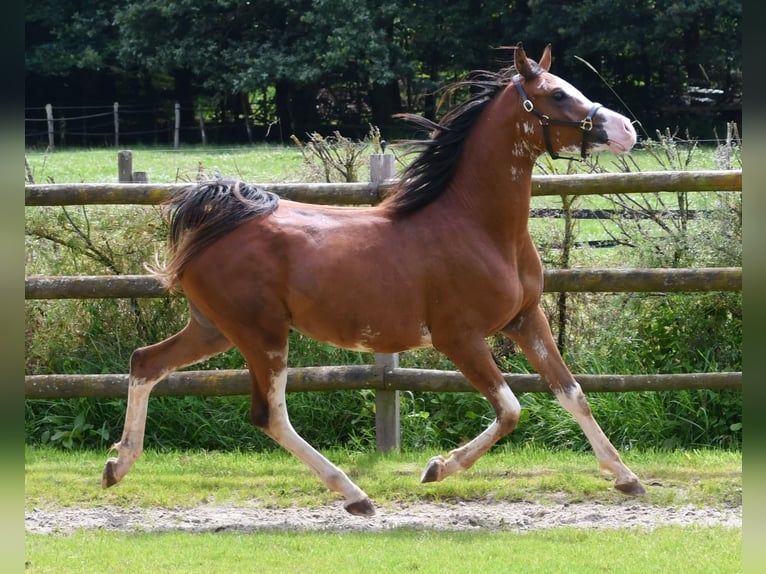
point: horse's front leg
(268, 370)
(532, 333)
(475, 361)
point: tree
(314, 63)
(72, 40)
(649, 52)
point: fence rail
(385, 377)
(556, 280)
(357, 377)
(374, 192)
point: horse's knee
(507, 409)
(259, 414)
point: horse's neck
(493, 182)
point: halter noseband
(586, 124)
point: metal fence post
(387, 421)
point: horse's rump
(201, 213)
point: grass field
(574, 551)
(188, 478)
(276, 163)
(261, 163)
(56, 479)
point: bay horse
(444, 261)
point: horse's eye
(559, 95)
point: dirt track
(515, 516)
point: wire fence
(172, 123)
(119, 124)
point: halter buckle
(528, 105)
(587, 124)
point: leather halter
(586, 124)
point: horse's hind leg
(531, 332)
(148, 365)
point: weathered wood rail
(358, 377)
(374, 192)
(385, 377)
(556, 280)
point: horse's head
(569, 121)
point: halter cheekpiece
(586, 124)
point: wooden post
(202, 125)
(246, 109)
(176, 131)
(387, 417)
(381, 167)
(116, 124)
(387, 412)
(125, 166)
(49, 116)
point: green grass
(277, 163)
(183, 479)
(259, 163)
(677, 550)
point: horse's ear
(521, 62)
(545, 61)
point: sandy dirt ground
(470, 515)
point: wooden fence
(385, 377)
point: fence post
(49, 116)
(125, 166)
(176, 131)
(387, 421)
(117, 125)
(387, 417)
(202, 125)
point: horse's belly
(376, 328)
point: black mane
(430, 173)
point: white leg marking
(465, 456)
(575, 402)
(282, 431)
(131, 444)
(538, 346)
(506, 398)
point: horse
(445, 260)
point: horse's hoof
(434, 471)
(360, 507)
(632, 488)
(109, 478)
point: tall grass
(605, 333)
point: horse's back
(335, 274)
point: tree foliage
(315, 62)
